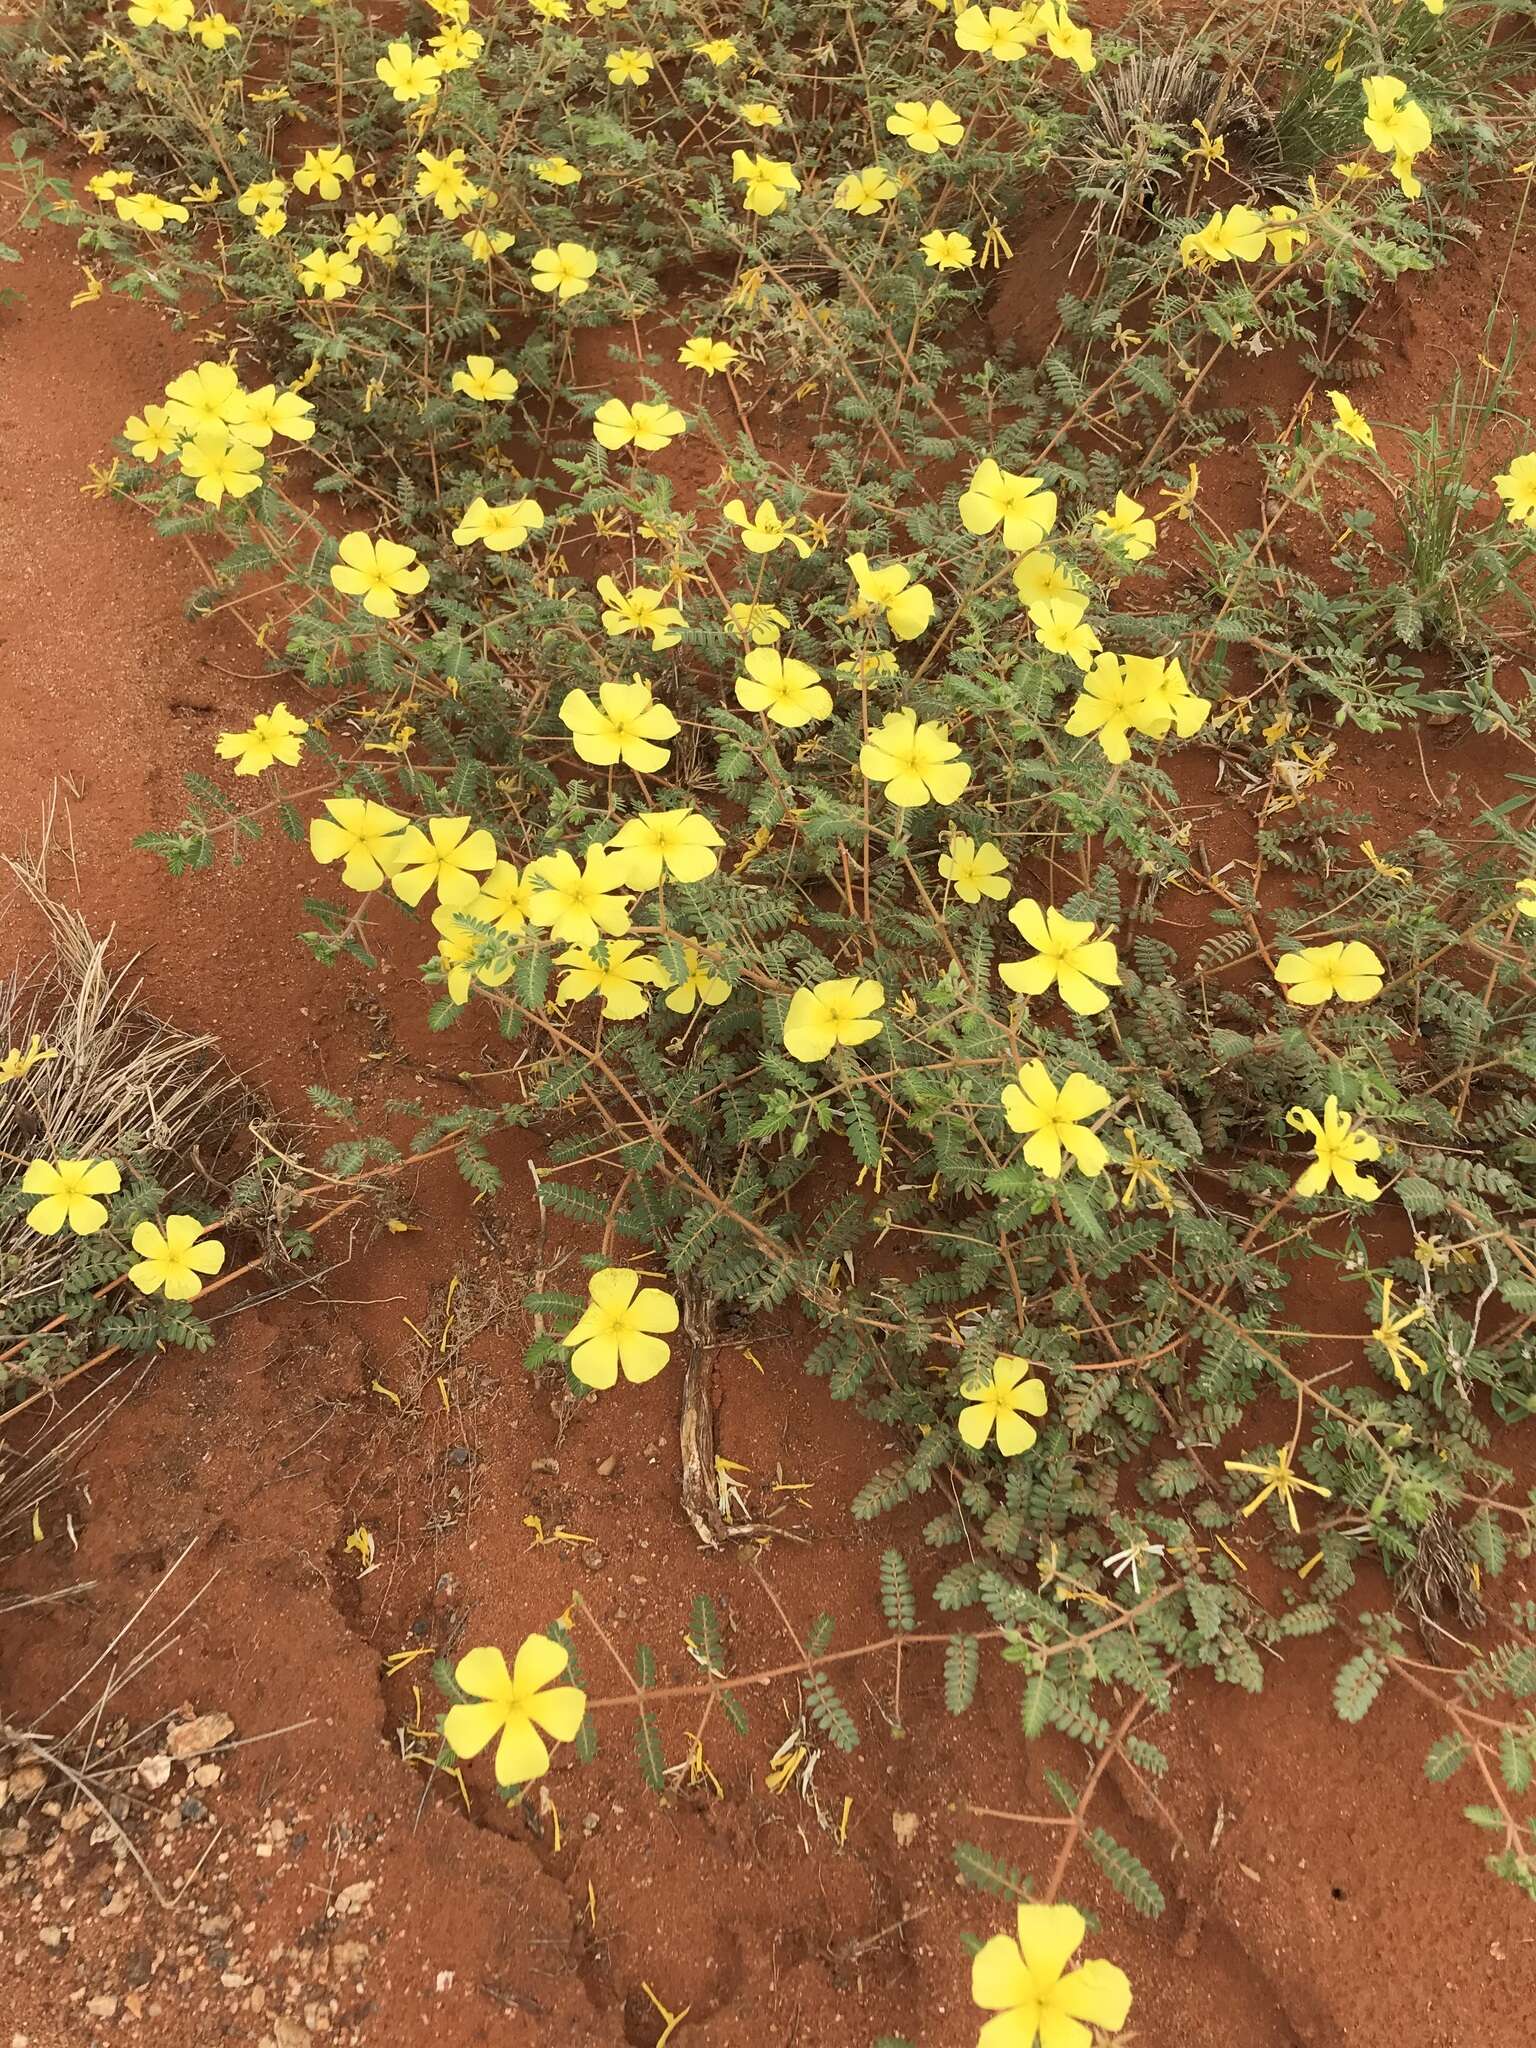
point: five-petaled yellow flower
(917, 762)
(926, 126)
(1128, 526)
(513, 1706)
(205, 399)
(1020, 505)
(565, 270)
(947, 250)
(380, 572)
(449, 856)
(703, 352)
(1350, 421)
(274, 735)
(324, 171)
(1053, 1121)
(365, 836)
(1347, 969)
(618, 974)
(1067, 955)
(623, 1329)
(679, 844)
(578, 903)
(68, 1191)
(623, 726)
(999, 1400)
(629, 67)
(832, 1013)
(482, 379)
(331, 272)
(766, 528)
(700, 984)
(1338, 1151)
(641, 610)
(788, 691)
(498, 527)
(411, 75)
(222, 468)
(173, 1261)
(768, 181)
(974, 871)
(644, 425)
(1517, 487)
(907, 606)
(1025, 1982)
(865, 192)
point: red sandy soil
(1321, 1895)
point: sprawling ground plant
(745, 668)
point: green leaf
(962, 1664)
(1356, 1687)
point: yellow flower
(21, 1059)
(213, 31)
(1525, 896)
(462, 951)
(703, 353)
(1005, 34)
(504, 899)
(1316, 974)
(456, 47)
(700, 984)
(907, 606)
(1021, 505)
(221, 467)
(718, 52)
(832, 1013)
(1284, 239)
(148, 211)
(206, 398)
(759, 623)
(173, 15)
(947, 251)
(768, 181)
(1000, 1399)
(444, 180)
(514, 1706)
(629, 67)
(1135, 693)
(172, 1261)
(1517, 487)
(677, 843)
(449, 856)
(1067, 955)
(624, 726)
(578, 904)
(1061, 629)
(409, 75)
(152, 435)
(271, 223)
(1388, 1333)
(641, 610)
(484, 243)
(331, 272)
(256, 198)
(1397, 126)
(619, 975)
(69, 1188)
(1053, 1121)
(1279, 1479)
(368, 838)
(1027, 1984)
(623, 1329)
(1128, 526)
(269, 412)
(1237, 236)
(324, 171)
(918, 763)
(974, 871)
(274, 735)
(555, 170)
(643, 425)
(789, 692)
(106, 183)
(498, 527)
(377, 233)
(380, 572)
(1350, 422)
(926, 126)
(1068, 39)
(566, 270)
(1338, 1151)
(865, 192)
(483, 380)
(1047, 588)
(765, 530)
(759, 114)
